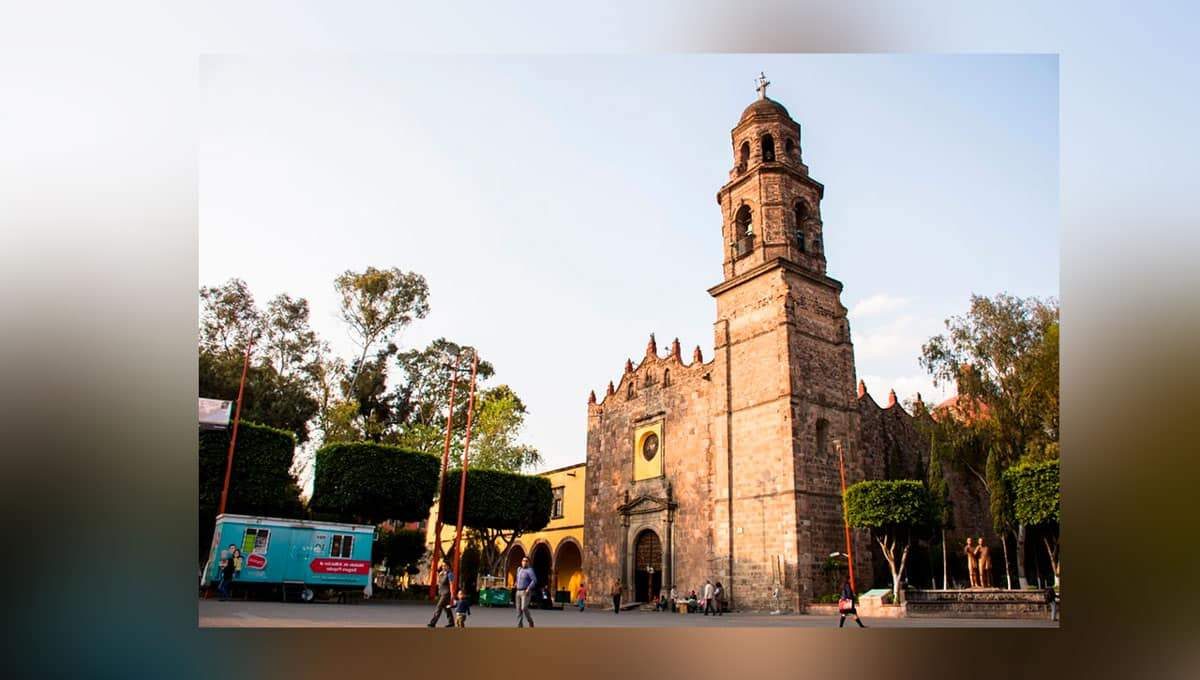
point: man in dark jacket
(443, 601)
(228, 567)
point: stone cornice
(772, 167)
(772, 265)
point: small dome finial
(611, 389)
(675, 348)
(862, 388)
(891, 398)
(697, 357)
(652, 347)
(592, 397)
(629, 365)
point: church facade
(726, 469)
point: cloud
(896, 338)
(876, 305)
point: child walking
(462, 609)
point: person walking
(581, 595)
(1052, 599)
(708, 598)
(846, 605)
(443, 598)
(673, 597)
(719, 596)
(526, 580)
(228, 567)
(616, 597)
(462, 609)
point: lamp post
(845, 516)
(437, 531)
(462, 482)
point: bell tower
(783, 374)
(770, 207)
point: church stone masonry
(728, 469)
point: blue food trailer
(292, 556)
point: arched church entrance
(647, 566)
(542, 561)
(515, 553)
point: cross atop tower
(762, 85)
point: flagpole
(845, 518)
(462, 483)
(237, 416)
(437, 535)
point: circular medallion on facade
(650, 446)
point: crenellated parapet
(654, 371)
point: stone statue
(985, 564)
(972, 563)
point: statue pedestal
(978, 603)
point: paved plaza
(383, 614)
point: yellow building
(556, 552)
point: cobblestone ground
(235, 614)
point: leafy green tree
(499, 507)
(400, 550)
(941, 507)
(370, 483)
(289, 343)
(269, 398)
(892, 510)
(259, 483)
(1003, 356)
(423, 395)
(1000, 505)
(228, 318)
(376, 304)
(1036, 502)
(499, 419)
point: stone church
(727, 469)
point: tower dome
(763, 107)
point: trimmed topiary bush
(370, 483)
(260, 482)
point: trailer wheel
(306, 595)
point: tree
(259, 483)
(400, 549)
(371, 483)
(289, 343)
(499, 418)
(269, 398)
(422, 398)
(941, 506)
(891, 510)
(1003, 356)
(228, 318)
(1000, 505)
(1036, 502)
(499, 507)
(377, 304)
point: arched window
(629, 390)
(790, 147)
(768, 148)
(801, 214)
(743, 232)
(744, 157)
(822, 437)
(667, 377)
(745, 224)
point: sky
(562, 208)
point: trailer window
(342, 544)
(255, 541)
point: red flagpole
(462, 483)
(845, 519)
(237, 416)
(437, 535)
